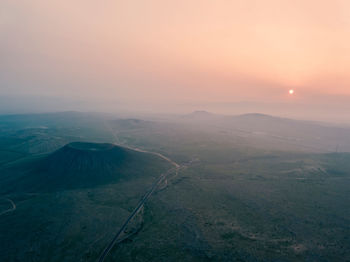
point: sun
(291, 91)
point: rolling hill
(276, 132)
(79, 165)
(67, 205)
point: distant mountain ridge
(317, 136)
(247, 116)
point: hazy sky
(170, 52)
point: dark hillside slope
(81, 165)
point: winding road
(161, 178)
(135, 212)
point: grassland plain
(69, 221)
(228, 214)
(244, 198)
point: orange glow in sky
(165, 50)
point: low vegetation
(236, 198)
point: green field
(237, 197)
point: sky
(165, 54)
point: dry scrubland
(252, 192)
